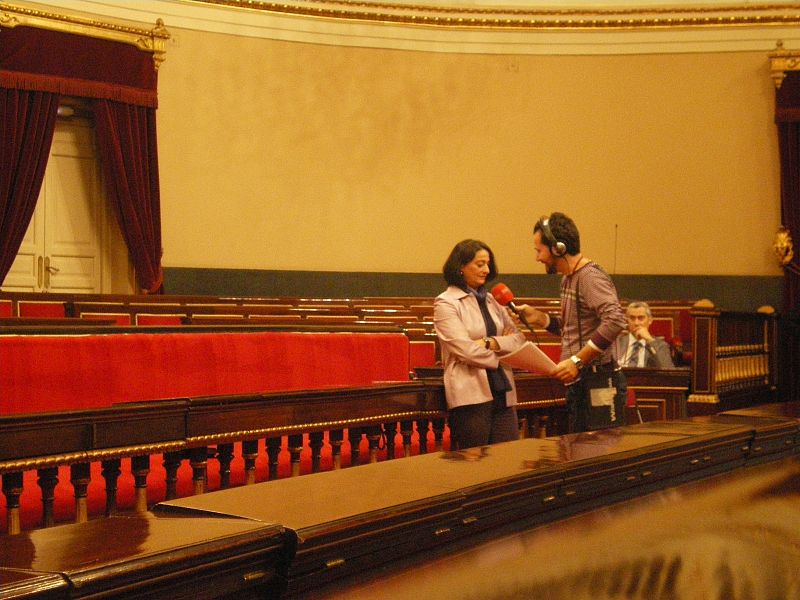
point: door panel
(24, 272)
(72, 234)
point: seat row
(413, 314)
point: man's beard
(551, 268)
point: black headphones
(557, 247)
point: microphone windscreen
(502, 294)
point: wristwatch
(578, 362)
(487, 343)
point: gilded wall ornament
(783, 247)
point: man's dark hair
(462, 254)
(563, 229)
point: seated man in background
(638, 347)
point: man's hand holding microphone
(567, 370)
(527, 315)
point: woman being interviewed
(474, 331)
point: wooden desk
(660, 393)
(18, 584)
(346, 522)
(734, 535)
(145, 556)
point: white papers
(529, 358)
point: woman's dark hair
(462, 254)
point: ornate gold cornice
(149, 40)
(781, 61)
(783, 245)
(565, 19)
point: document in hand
(530, 358)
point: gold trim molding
(149, 40)
(542, 19)
(781, 61)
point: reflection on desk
(735, 535)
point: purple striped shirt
(601, 317)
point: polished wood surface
(18, 584)
(330, 532)
(146, 556)
(397, 509)
(731, 536)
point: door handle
(39, 272)
(47, 271)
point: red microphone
(505, 297)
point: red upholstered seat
(159, 319)
(51, 373)
(662, 327)
(41, 308)
(421, 354)
(118, 318)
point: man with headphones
(589, 322)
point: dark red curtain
(126, 137)
(123, 79)
(27, 122)
(76, 65)
(787, 118)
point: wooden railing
(735, 359)
(227, 436)
(134, 451)
(251, 428)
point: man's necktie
(633, 360)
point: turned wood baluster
(438, 433)
(79, 477)
(225, 457)
(422, 433)
(172, 462)
(198, 458)
(250, 454)
(295, 443)
(12, 489)
(532, 422)
(111, 472)
(48, 480)
(336, 439)
(374, 435)
(354, 437)
(542, 430)
(391, 432)
(316, 440)
(273, 452)
(140, 467)
(407, 431)
(522, 426)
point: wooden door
(73, 243)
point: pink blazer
(458, 323)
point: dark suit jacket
(657, 355)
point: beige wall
(281, 155)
